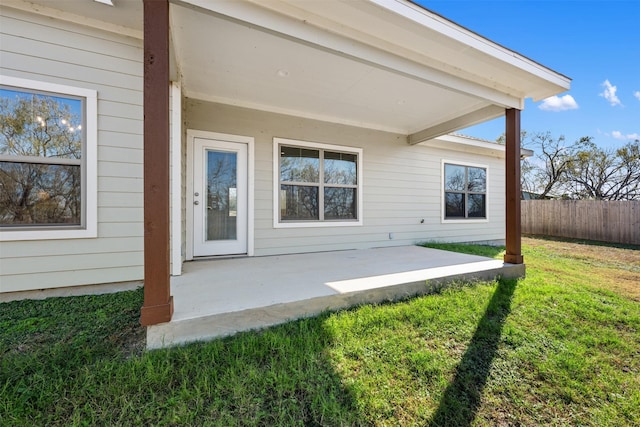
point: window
(47, 145)
(465, 192)
(317, 184)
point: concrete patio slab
(221, 297)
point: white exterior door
(220, 197)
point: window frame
(89, 166)
(277, 222)
(466, 219)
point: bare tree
(579, 170)
(531, 178)
(548, 172)
(605, 174)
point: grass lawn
(561, 347)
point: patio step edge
(218, 325)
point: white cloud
(609, 93)
(630, 136)
(559, 103)
(637, 94)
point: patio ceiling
(234, 63)
(381, 64)
(384, 65)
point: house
(246, 127)
(528, 195)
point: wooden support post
(513, 193)
(158, 303)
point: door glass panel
(221, 209)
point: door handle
(195, 202)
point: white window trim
(444, 220)
(90, 158)
(276, 184)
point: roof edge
(472, 144)
(464, 32)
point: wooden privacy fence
(606, 221)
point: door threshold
(214, 257)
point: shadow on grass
(467, 248)
(461, 399)
(583, 241)
(82, 348)
(285, 375)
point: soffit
(410, 30)
(227, 61)
(355, 62)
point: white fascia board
(308, 33)
(525, 152)
(456, 32)
(471, 142)
(72, 17)
(473, 145)
(467, 144)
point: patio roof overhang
(382, 64)
(386, 65)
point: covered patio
(221, 297)
(386, 66)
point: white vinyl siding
(401, 183)
(42, 49)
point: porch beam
(513, 226)
(474, 117)
(158, 303)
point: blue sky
(595, 43)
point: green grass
(480, 250)
(561, 347)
